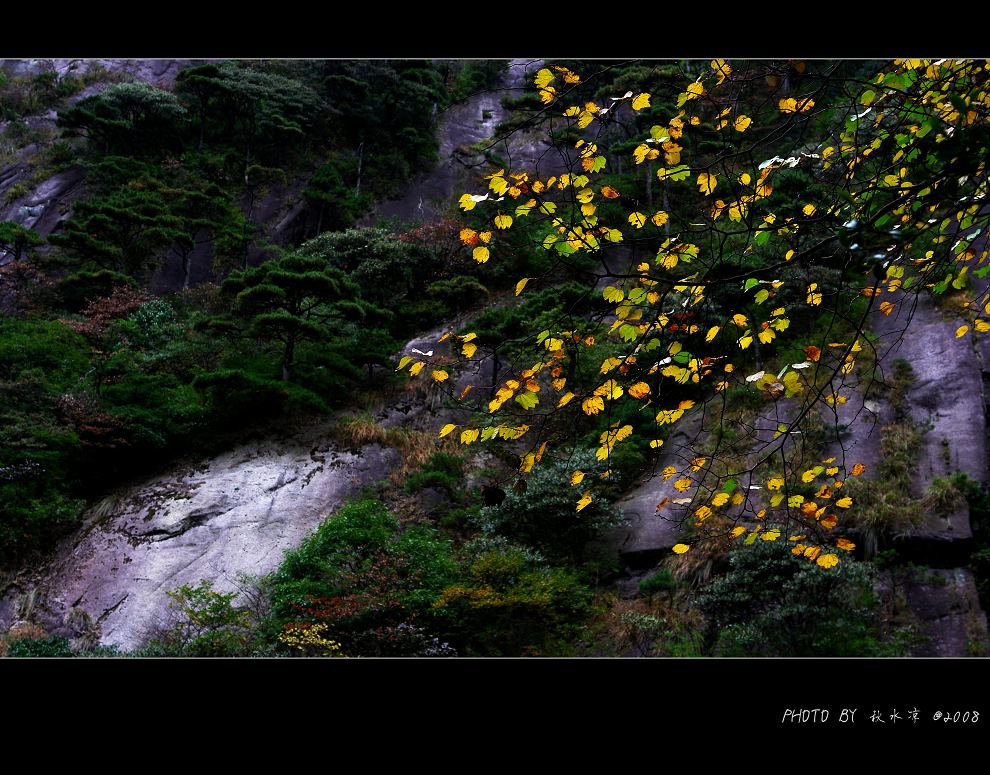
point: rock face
(649, 532)
(429, 196)
(161, 72)
(227, 517)
(947, 398)
(946, 609)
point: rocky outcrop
(220, 519)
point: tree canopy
(728, 271)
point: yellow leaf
(682, 485)
(791, 105)
(737, 531)
(469, 349)
(740, 320)
(637, 220)
(480, 254)
(961, 331)
(721, 68)
(641, 101)
(485, 236)
(795, 500)
(585, 195)
(609, 193)
(668, 472)
(613, 294)
(693, 91)
(660, 218)
(543, 78)
(770, 535)
(469, 236)
(741, 124)
(585, 500)
(440, 375)
(609, 389)
(566, 398)
(520, 285)
(828, 560)
(656, 443)
(844, 503)
(577, 477)
(467, 202)
(858, 469)
(446, 429)
(592, 405)
(982, 326)
(845, 544)
(553, 344)
(665, 416)
(416, 368)
(721, 499)
(470, 434)
(403, 361)
(886, 307)
(503, 221)
(680, 548)
(706, 183)
(712, 333)
(639, 390)
(808, 210)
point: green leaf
(527, 400)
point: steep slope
(234, 515)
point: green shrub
(372, 585)
(441, 470)
(509, 602)
(54, 646)
(772, 603)
(544, 515)
(661, 581)
(201, 622)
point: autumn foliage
(702, 293)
